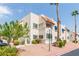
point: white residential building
(64, 32)
(40, 26)
(73, 36)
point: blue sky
(12, 11)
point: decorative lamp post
(49, 38)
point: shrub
(60, 43)
(64, 42)
(36, 41)
(8, 51)
(16, 42)
(75, 41)
(59, 39)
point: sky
(16, 11)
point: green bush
(75, 41)
(8, 51)
(60, 43)
(36, 41)
(59, 39)
(16, 42)
(64, 42)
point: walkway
(42, 50)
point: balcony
(49, 23)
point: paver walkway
(42, 50)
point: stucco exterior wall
(42, 29)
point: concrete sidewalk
(42, 50)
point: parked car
(3, 43)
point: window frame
(35, 37)
(35, 26)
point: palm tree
(20, 30)
(75, 13)
(13, 30)
(6, 30)
(58, 20)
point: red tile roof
(47, 19)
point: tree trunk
(58, 22)
(75, 29)
(9, 42)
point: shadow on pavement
(72, 53)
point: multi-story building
(41, 27)
(64, 32)
(73, 36)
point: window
(63, 30)
(41, 36)
(55, 37)
(34, 36)
(68, 37)
(62, 37)
(48, 25)
(68, 30)
(55, 28)
(41, 25)
(35, 25)
(49, 36)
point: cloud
(5, 10)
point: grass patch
(8, 51)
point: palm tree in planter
(75, 13)
(59, 42)
(58, 20)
